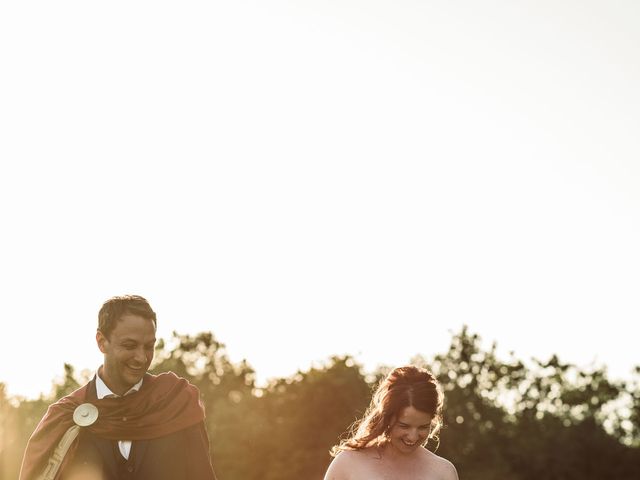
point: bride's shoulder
(442, 467)
(357, 456)
(349, 463)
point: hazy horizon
(320, 178)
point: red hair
(403, 387)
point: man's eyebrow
(133, 340)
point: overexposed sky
(309, 178)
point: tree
(502, 418)
(306, 415)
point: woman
(388, 442)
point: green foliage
(307, 413)
(502, 419)
(287, 427)
(18, 419)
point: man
(143, 426)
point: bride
(388, 442)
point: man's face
(127, 352)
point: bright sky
(309, 178)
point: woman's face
(410, 430)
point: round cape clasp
(85, 414)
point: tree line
(502, 418)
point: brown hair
(403, 387)
(113, 309)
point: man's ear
(101, 340)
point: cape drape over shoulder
(164, 404)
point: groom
(145, 426)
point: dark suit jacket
(183, 455)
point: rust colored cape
(164, 404)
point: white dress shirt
(104, 392)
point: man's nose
(141, 355)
